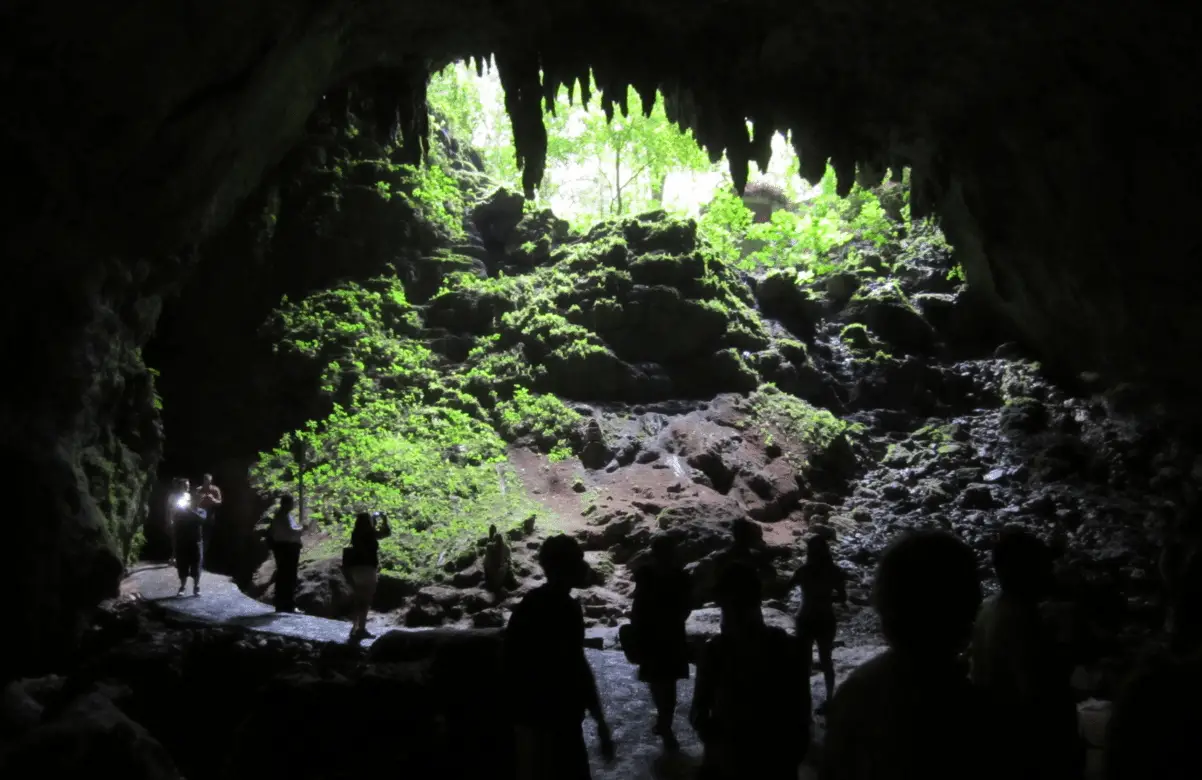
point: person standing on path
(187, 537)
(552, 684)
(285, 535)
(751, 706)
(208, 499)
(821, 580)
(659, 611)
(1016, 664)
(361, 562)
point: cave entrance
(351, 276)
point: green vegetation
(403, 436)
(805, 237)
(420, 429)
(795, 420)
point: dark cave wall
(1057, 141)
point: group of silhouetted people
(966, 689)
(190, 516)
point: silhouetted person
(1016, 663)
(1155, 722)
(208, 499)
(743, 550)
(497, 568)
(911, 711)
(187, 535)
(285, 536)
(1175, 558)
(658, 613)
(821, 580)
(751, 706)
(552, 684)
(361, 562)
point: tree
(624, 160)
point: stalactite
(555, 74)
(763, 129)
(920, 201)
(523, 102)
(845, 173)
(621, 93)
(811, 152)
(738, 147)
(870, 173)
(646, 88)
(414, 114)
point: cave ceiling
(135, 130)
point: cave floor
(626, 701)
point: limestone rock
(707, 622)
(90, 732)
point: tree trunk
(617, 182)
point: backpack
(629, 640)
(350, 558)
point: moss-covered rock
(886, 311)
(497, 215)
(781, 297)
(814, 440)
(607, 320)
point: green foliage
(137, 543)
(432, 192)
(805, 238)
(545, 418)
(403, 436)
(437, 472)
(625, 157)
(797, 421)
(725, 224)
(473, 110)
(358, 332)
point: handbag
(628, 637)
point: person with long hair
(659, 611)
(361, 563)
(821, 580)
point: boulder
(771, 492)
(705, 623)
(700, 524)
(89, 733)
(781, 297)
(893, 319)
(497, 215)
